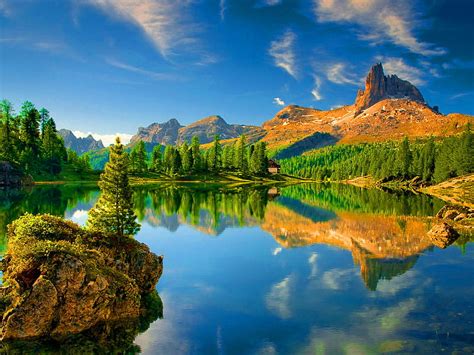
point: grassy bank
(459, 190)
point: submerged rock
(442, 235)
(63, 280)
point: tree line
(431, 160)
(30, 141)
(188, 159)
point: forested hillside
(433, 160)
(29, 141)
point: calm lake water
(300, 269)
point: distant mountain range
(79, 145)
(172, 132)
(388, 108)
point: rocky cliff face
(158, 133)
(63, 280)
(172, 132)
(379, 87)
(79, 145)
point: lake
(325, 269)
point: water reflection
(297, 269)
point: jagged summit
(161, 133)
(79, 145)
(378, 87)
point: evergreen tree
(404, 158)
(196, 153)
(240, 156)
(156, 159)
(186, 158)
(113, 212)
(8, 141)
(44, 118)
(53, 150)
(214, 156)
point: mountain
(172, 132)
(389, 108)
(159, 133)
(79, 145)
(379, 87)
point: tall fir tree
(53, 150)
(156, 159)
(196, 152)
(240, 155)
(114, 212)
(214, 155)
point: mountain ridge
(78, 144)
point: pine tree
(53, 150)
(156, 159)
(240, 156)
(196, 152)
(186, 158)
(214, 156)
(404, 158)
(113, 212)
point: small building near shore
(273, 167)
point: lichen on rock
(60, 279)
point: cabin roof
(273, 164)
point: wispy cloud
(380, 20)
(338, 74)
(107, 139)
(316, 89)
(282, 52)
(151, 74)
(168, 24)
(5, 8)
(401, 69)
(278, 101)
(222, 9)
(264, 3)
(461, 94)
(278, 299)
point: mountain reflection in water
(311, 266)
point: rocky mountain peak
(79, 145)
(379, 87)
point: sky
(111, 66)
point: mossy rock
(63, 279)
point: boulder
(64, 280)
(442, 235)
(11, 176)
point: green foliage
(30, 140)
(138, 158)
(156, 159)
(432, 161)
(113, 212)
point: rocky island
(61, 280)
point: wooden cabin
(273, 167)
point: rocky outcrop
(379, 87)
(79, 145)
(442, 235)
(158, 133)
(11, 176)
(206, 129)
(64, 280)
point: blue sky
(108, 66)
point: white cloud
(316, 89)
(278, 299)
(337, 73)
(338, 279)
(394, 21)
(148, 73)
(107, 139)
(401, 69)
(222, 8)
(312, 261)
(277, 251)
(5, 8)
(278, 101)
(283, 54)
(166, 23)
(263, 3)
